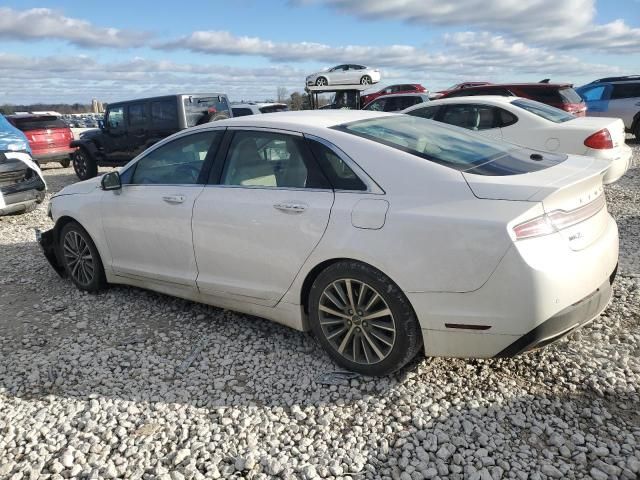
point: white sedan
(347, 74)
(535, 125)
(379, 232)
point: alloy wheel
(356, 321)
(365, 80)
(77, 254)
(321, 82)
(80, 164)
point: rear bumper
(619, 165)
(53, 155)
(564, 322)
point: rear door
(597, 100)
(266, 210)
(137, 127)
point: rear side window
(625, 90)
(426, 112)
(273, 109)
(542, 110)
(164, 113)
(137, 115)
(341, 176)
(36, 123)
(470, 116)
(241, 112)
(594, 94)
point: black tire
(88, 275)
(321, 82)
(636, 131)
(84, 164)
(407, 336)
(65, 163)
(366, 80)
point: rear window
(36, 123)
(197, 109)
(448, 146)
(545, 111)
(552, 95)
(570, 95)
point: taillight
(558, 220)
(601, 140)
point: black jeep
(131, 127)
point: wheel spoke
(333, 312)
(340, 292)
(331, 322)
(386, 342)
(333, 299)
(371, 302)
(363, 287)
(373, 345)
(336, 333)
(364, 349)
(350, 294)
(382, 327)
(385, 312)
(345, 340)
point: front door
(147, 223)
(255, 227)
(115, 146)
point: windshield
(453, 87)
(543, 110)
(450, 146)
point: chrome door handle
(290, 207)
(173, 198)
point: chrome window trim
(370, 183)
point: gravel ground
(133, 384)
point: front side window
(115, 118)
(426, 112)
(625, 90)
(268, 159)
(341, 176)
(543, 110)
(377, 105)
(178, 162)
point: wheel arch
(320, 267)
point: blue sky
(68, 51)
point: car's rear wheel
(65, 163)
(321, 82)
(365, 80)
(362, 319)
(80, 258)
(84, 164)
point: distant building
(96, 106)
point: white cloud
(44, 23)
(565, 24)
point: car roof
(408, 94)
(524, 84)
(302, 119)
(170, 95)
(491, 99)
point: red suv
(49, 137)
(559, 95)
(391, 89)
(457, 86)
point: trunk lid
(565, 186)
(46, 138)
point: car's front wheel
(362, 319)
(365, 80)
(80, 258)
(84, 164)
(65, 163)
(321, 82)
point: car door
(264, 212)
(597, 100)
(115, 148)
(341, 75)
(625, 102)
(147, 223)
(137, 128)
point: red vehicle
(559, 95)
(457, 86)
(49, 137)
(400, 88)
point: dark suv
(131, 127)
(559, 95)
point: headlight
(17, 147)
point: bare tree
(282, 94)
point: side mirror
(111, 181)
